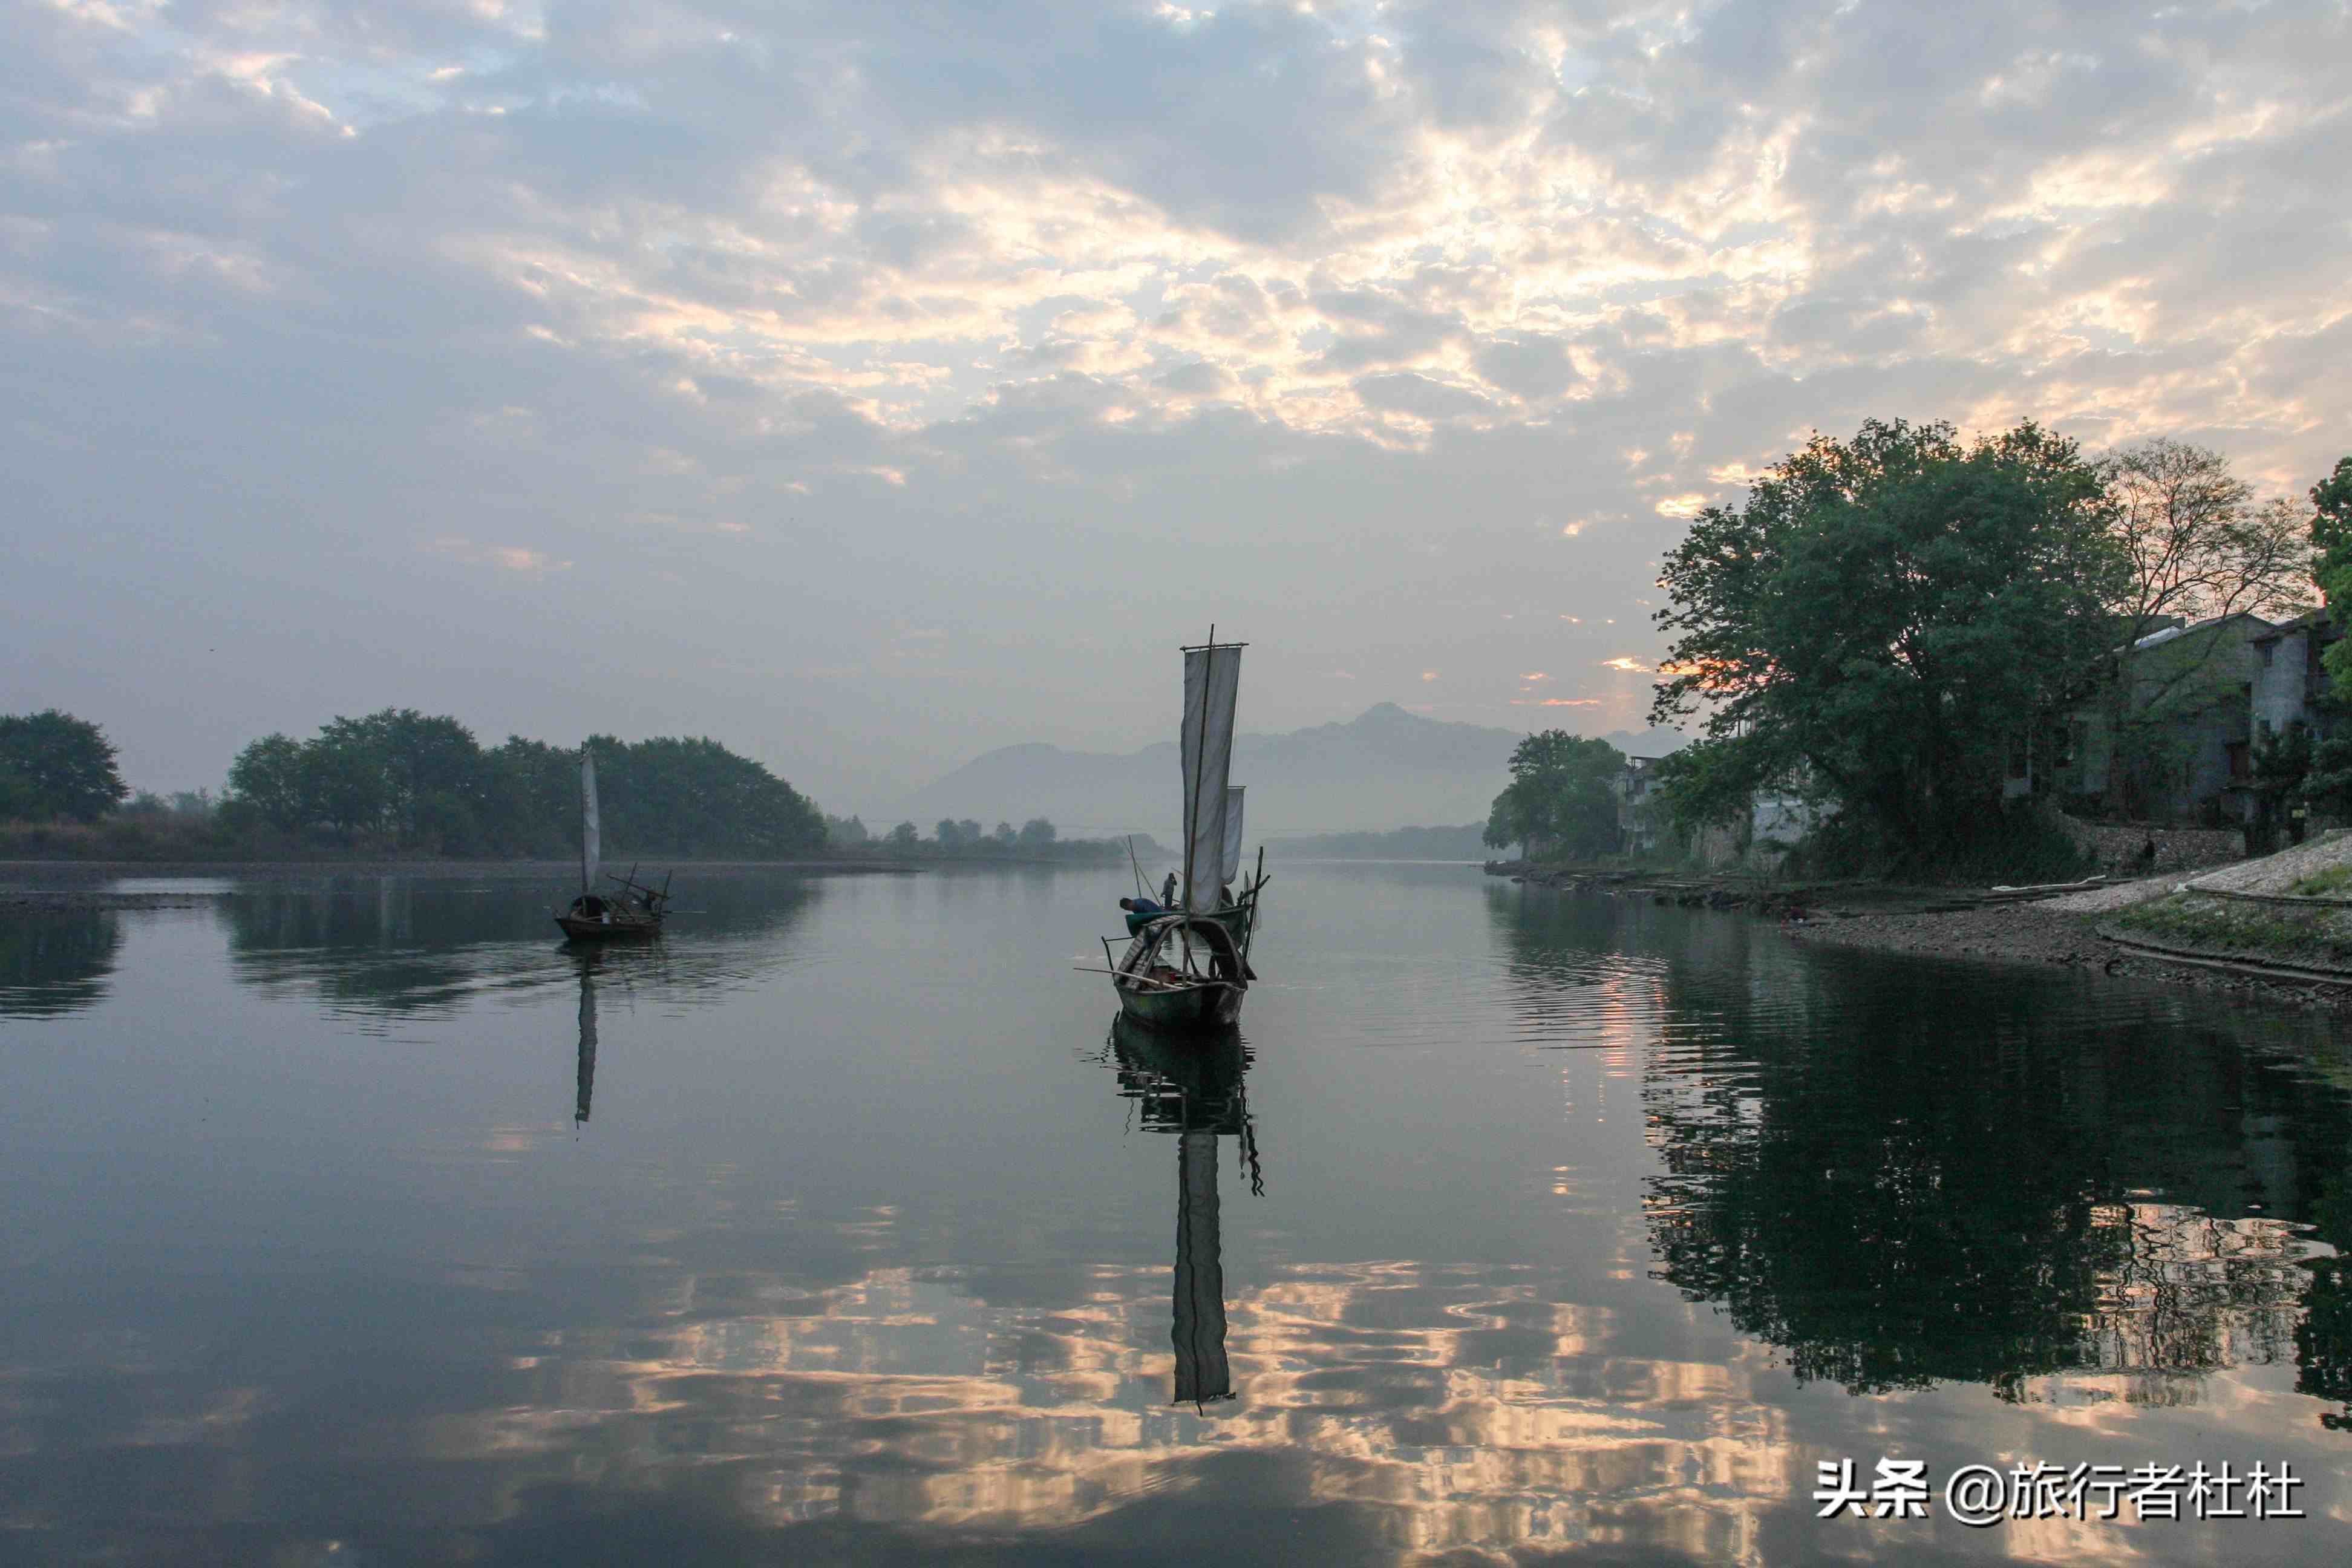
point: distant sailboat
(1190, 967)
(636, 910)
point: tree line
(399, 781)
(965, 839)
(402, 780)
(1887, 623)
(421, 782)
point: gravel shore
(2048, 933)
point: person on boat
(1168, 891)
(1143, 907)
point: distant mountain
(1384, 769)
(1466, 842)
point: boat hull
(1185, 1007)
(582, 930)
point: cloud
(1429, 675)
(1535, 675)
(1631, 665)
(952, 322)
(515, 558)
(1554, 701)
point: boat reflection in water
(586, 1082)
(616, 967)
(1193, 1086)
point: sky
(870, 385)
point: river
(357, 1220)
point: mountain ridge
(1384, 769)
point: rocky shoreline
(1951, 923)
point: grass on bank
(2288, 935)
(2323, 884)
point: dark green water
(856, 1236)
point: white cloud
(953, 323)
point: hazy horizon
(867, 389)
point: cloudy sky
(869, 384)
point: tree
(2331, 540)
(845, 831)
(905, 835)
(1036, 834)
(269, 778)
(2199, 550)
(1882, 618)
(1005, 835)
(2199, 546)
(948, 833)
(1560, 796)
(55, 765)
(1503, 826)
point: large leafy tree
(1883, 619)
(55, 765)
(1559, 798)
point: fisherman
(2148, 854)
(1168, 891)
(1142, 906)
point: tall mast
(1199, 754)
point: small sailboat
(636, 910)
(1189, 967)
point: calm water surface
(359, 1221)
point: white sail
(1232, 861)
(591, 833)
(1213, 677)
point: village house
(2175, 743)
(2291, 684)
(1640, 826)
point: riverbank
(2213, 936)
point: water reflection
(859, 1270)
(56, 962)
(2064, 1194)
(584, 1088)
(387, 947)
(1193, 1086)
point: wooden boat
(1188, 968)
(1181, 972)
(634, 910)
